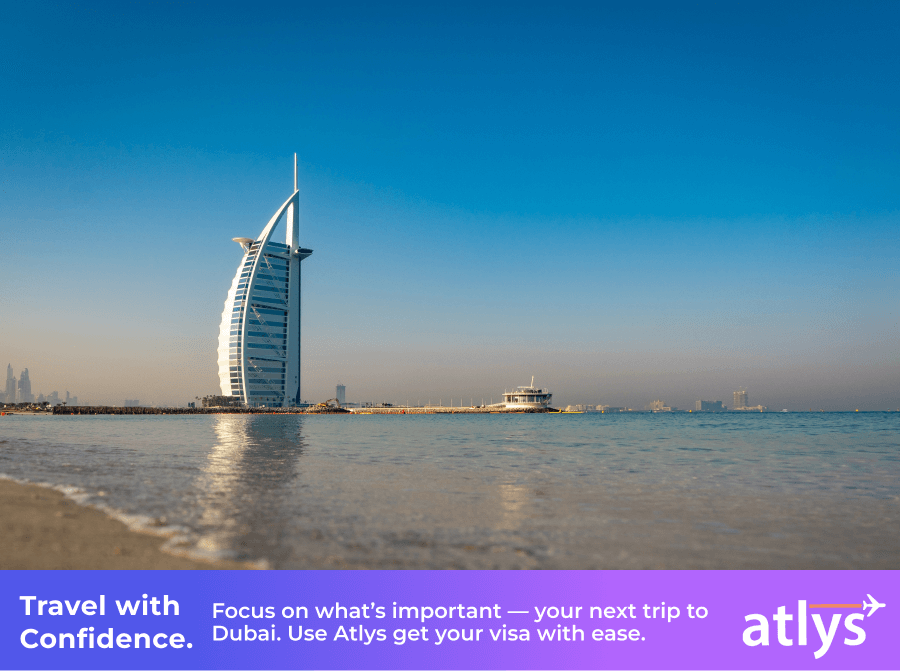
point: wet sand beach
(42, 529)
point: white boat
(526, 398)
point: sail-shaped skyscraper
(259, 338)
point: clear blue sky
(629, 200)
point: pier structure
(448, 410)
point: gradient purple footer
(572, 620)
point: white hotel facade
(259, 338)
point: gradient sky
(629, 201)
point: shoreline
(43, 529)
(393, 410)
(312, 410)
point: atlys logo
(789, 630)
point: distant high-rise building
(25, 395)
(132, 403)
(709, 406)
(659, 406)
(340, 393)
(53, 398)
(739, 399)
(259, 338)
(10, 395)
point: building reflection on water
(259, 500)
(513, 500)
(246, 485)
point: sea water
(631, 490)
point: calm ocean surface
(771, 490)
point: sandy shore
(42, 529)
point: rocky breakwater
(120, 410)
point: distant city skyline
(740, 399)
(19, 391)
(631, 203)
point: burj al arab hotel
(259, 339)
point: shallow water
(770, 490)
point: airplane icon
(873, 605)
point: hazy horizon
(629, 203)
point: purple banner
(451, 619)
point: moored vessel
(526, 398)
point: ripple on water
(300, 490)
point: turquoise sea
(632, 490)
